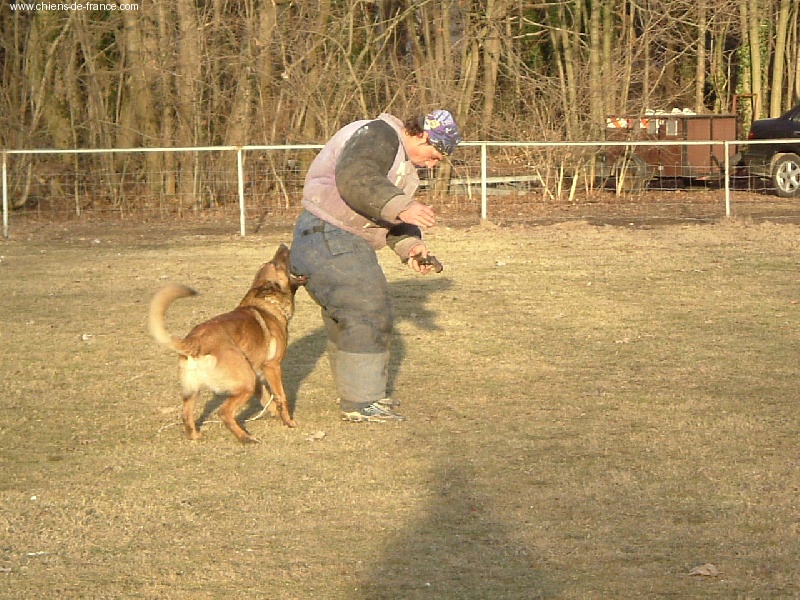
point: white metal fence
(508, 180)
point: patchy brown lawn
(595, 412)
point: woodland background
(186, 73)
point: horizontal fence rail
(264, 180)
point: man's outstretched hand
(419, 215)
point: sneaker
(377, 412)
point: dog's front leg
(266, 401)
(273, 375)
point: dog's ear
(265, 273)
(281, 254)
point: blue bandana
(442, 131)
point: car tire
(786, 176)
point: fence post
(484, 211)
(240, 177)
(5, 196)
(727, 180)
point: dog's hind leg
(227, 412)
(272, 372)
(189, 424)
(190, 390)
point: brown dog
(234, 352)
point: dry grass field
(595, 412)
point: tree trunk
(469, 76)
(314, 57)
(166, 97)
(700, 65)
(188, 77)
(746, 109)
(629, 38)
(496, 12)
(608, 69)
(237, 127)
(99, 113)
(558, 57)
(794, 86)
(719, 79)
(596, 108)
(137, 124)
(267, 108)
(40, 68)
(754, 37)
(779, 60)
(565, 38)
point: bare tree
(779, 57)
(596, 97)
(496, 13)
(188, 70)
(137, 120)
(794, 58)
(754, 19)
(700, 67)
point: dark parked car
(778, 162)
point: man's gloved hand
(430, 261)
(418, 214)
(421, 261)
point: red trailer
(635, 166)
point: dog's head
(274, 282)
(281, 258)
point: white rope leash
(261, 414)
(254, 418)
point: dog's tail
(158, 309)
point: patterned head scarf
(442, 131)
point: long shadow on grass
(410, 299)
(457, 549)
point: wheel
(630, 174)
(786, 176)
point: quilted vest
(322, 199)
